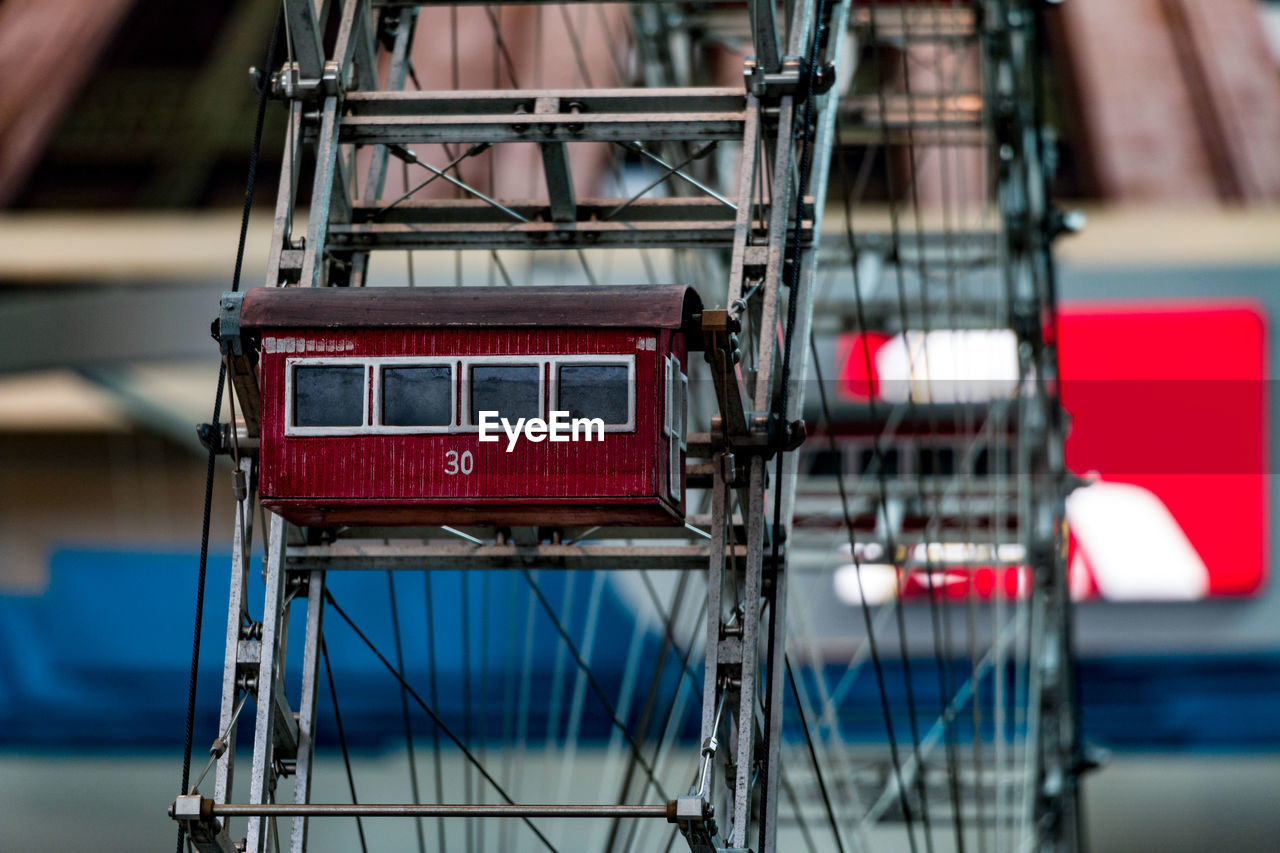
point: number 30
(453, 463)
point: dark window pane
(328, 396)
(417, 396)
(872, 463)
(826, 463)
(988, 464)
(937, 462)
(512, 392)
(595, 391)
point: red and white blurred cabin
(370, 402)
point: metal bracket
(241, 366)
(227, 330)
(791, 79)
(289, 84)
(196, 813)
(695, 819)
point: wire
(592, 681)
(813, 755)
(435, 718)
(404, 708)
(342, 739)
(872, 644)
(435, 699)
(934, 608)
(807, 131)
(202, 573)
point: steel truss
(787, 117)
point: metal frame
(734, 806)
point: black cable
(435, 700)
(594, 684)
(435, 718)
(201, 575)
(795, 807)
(464, 611)
(342, 740)
(807, 131)
(813, 755)
(896, 240)
(908, 816)
(404, 708)
(646, 711)
(951, 758)
(669, 714)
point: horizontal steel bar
(909, 246)
(902, 22)
(410, 129)
(920, 111)
(535, 235)
(422, 810)
(616, 115)
(897, 22)
(459, 211)
(508, 104)
(350, 556)
(400, 4)
(678, 222)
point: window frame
(460, 389)
(467, 362)
(380, 363)
(290, 403)
(598, 360)
(676, 390)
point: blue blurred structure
(99, 661)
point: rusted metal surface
(618, 306)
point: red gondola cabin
(438, 405)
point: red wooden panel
(393, 474)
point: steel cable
(251, 183)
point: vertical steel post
(224, 774)
(262, 782)
(307, 704)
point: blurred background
(125, 128)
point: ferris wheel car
(469, 405)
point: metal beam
(609, 115)
(342, 556)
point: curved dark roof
(657, 306)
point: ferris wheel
(789, 598)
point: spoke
(440, 724)
(670, 170)
(591, 680)
(409, 156)
(404, 708)
(342, 740)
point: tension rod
(185, 809)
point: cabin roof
(662, 306)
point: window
(826, 463)
(882, 461)
(677, 387)
(430, 394)
(513, 391)
(993, 461)
(328, 396)
(417, 396)
(936, 462)
(595, 391)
